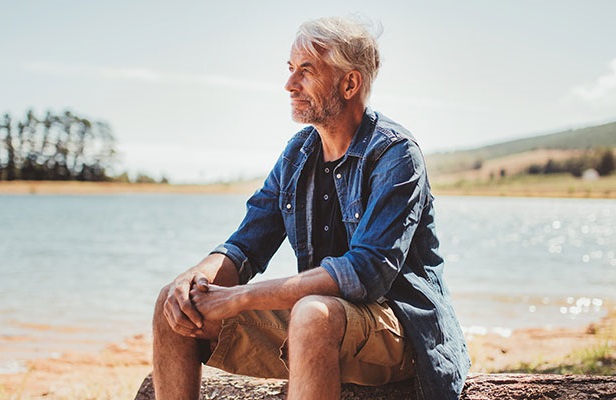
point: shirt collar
(362, 136)
(360, 141)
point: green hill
(573, 139)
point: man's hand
(214, 302)
(181, 314)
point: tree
(8, 164)
(55, 147)
(606, 164)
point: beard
(319, 114)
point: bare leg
(177, 359)
(316, 329)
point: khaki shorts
(373, 350)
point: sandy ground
(97, 188)
(113, 373)
(118, 370)
(532, 186)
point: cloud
(602, 89)
(150, 76)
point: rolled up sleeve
(242, 264)
(382, 239)
(260, 233)
(343, 272)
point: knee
(159, 306)
(317, 317)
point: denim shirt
(388, 214)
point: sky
(194, 90)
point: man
(351, 194)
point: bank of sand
(566, 187)
(98, 188)
(117, 371)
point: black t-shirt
(329, 236)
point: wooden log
(223, 386)
(539, 387)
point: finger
(201, 282)
(176, 317)
(195, 294)
(180, 327)
(181, 296)
(201, 302)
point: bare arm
(216, 302)
(180, 312)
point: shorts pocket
(382, 347)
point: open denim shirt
(388, 214)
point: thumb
(202, 283)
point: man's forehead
(301, 56)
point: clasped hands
(195, 307)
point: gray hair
(346, 43)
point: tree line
(600, 159)
(61, 147)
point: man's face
(314, 89)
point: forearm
(218, 269)
(216, 302)
(283, 293)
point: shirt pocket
(351, 215)
(286, 203)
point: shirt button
(326, 228)
(288, 206)
(325, 197)
(338, 176)
(356, 215)
(327, 170)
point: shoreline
(116, 188)
(560, 187)
(118, 370)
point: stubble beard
(323, 114)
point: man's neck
(337, 135)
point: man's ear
(351, 84)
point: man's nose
(292, 84)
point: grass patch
(596, 359)
(555, 185)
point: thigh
(252, 344)
(374, 350)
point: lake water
(80, 271)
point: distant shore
(557, 185)
(99, 188)
(561, 186)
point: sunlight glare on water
(80, 270)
